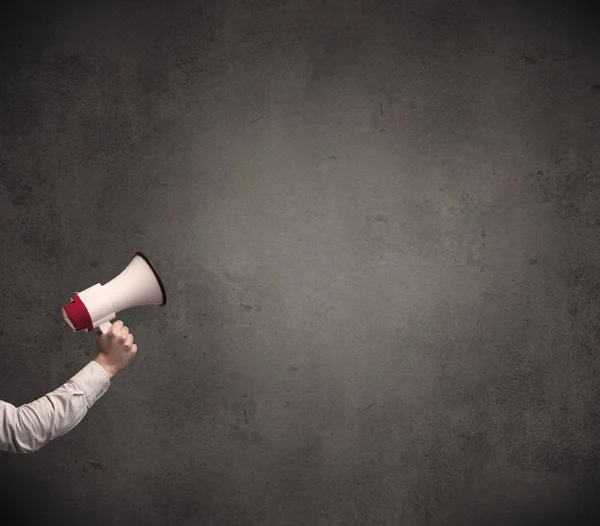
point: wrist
(109, 370)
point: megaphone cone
(139, 284)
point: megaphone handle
(105, 327)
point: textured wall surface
(378, 227)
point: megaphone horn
(139, 284)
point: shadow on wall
(17, 495)
(58, 508)
(579, 507)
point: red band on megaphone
(78, 314)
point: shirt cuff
(93, 380)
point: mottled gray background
(377, 226)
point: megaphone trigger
(105, 327)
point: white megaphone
(139, 284)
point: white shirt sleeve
(27, 428)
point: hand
(115, 349)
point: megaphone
(139, 284)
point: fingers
(122, 332)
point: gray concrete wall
(377, 225)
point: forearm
(31, 426)
(27, 428)
(109, 370)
